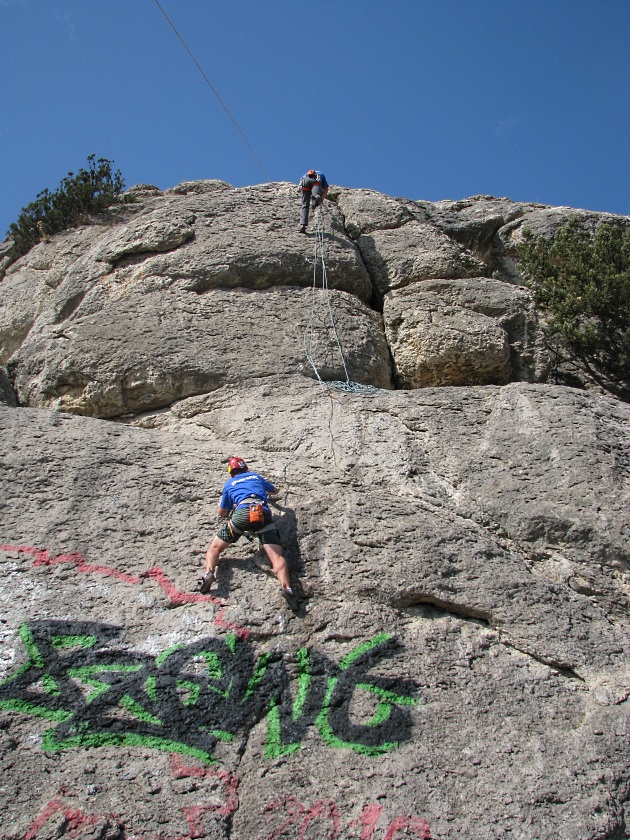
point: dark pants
(316, 193)
(239, 522)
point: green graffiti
(134, 708)
(100, 687)
(388, 696)
(386, 700)
(150, 685)
(382, 713)
(215, 669)
(360, 651)
(50, 685)
(33, 709)
(274, 747)
(191, 691)
(122, 739)
(325, 730)
(76, 679)
(73, 641)
(21, 670)
(222, 735)
(213, 664)
(261, 667)
(304, 682)
(162, 657)
(35, 658)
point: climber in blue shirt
(314, 187)
(244, 503)
(246, 485)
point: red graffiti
(77, 821)
(177, 597)
(300, 816)
(368, 819)
(229, 782)
(418, 826)
(42, 557)
(299, 813)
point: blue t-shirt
(236, 490)
(309, 180)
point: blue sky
(427, 99)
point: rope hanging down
(320, 259)
(210, 85)
(309, 339)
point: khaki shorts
(239, 522)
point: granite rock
(458, 664)
(454, 332)
(120, 315)
(7, 394)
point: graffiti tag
(321, 819)
(299, 817)
(191, 696)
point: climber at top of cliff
(314, 188)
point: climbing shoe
(206, 582)
(302, 229)
(289, 597)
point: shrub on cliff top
(77, 196)
(581, 282)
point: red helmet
(236, 464)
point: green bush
(77, 196)
(581, 282)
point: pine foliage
(581, 282)
(89, 191)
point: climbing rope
(212, 88)
(319, 259)
(348, 387)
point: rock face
(124, 315)
(149, 350)
(7, 395)
(458, 663)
